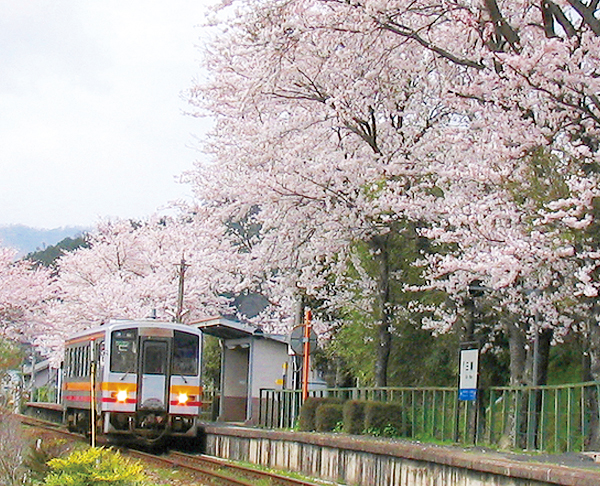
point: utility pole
(306, 341)
(183, 266)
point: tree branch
(403, 31)
(587, 14)
(503, 28)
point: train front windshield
(185, 353)
(123, 354)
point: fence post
(260, 406)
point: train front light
(122, 396)
(183, 398)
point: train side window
(86, 361)
(100, 353)
(67, 363)
(123, 351)
(81, 359)
(72, 362)
(77, 361)
(185, 353)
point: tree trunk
(592, 441)
(592, 367)
(379, 245)
(518, 353)
(512, 435)
(526, 368)
(539, 377)
(542, 357)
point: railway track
(219, 471)
(210, 469)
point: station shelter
(250, 360)
(41, 380)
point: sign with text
(467, 385)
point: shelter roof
(223, 328)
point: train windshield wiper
(183, 377)
(126, 373)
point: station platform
(361, 460)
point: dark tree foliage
(48, 256)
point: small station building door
(235, 366)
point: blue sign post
(469, 364)
(467, 387)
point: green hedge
(386, 420)
(307, 419)
(354, 416)
(381, 419)
(329, 417)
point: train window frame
(127, 365)
(188, 364)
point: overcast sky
(91, 108)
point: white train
(147, 385)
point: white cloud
(91, 105)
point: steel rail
(216, 463)
(209, 468)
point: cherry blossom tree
(132, 270)
(338, 120)
(25, 293)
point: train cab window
(123, 351)
(155, 358)
(185, 353)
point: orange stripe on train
(104, 386)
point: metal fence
(209, 408)
(561, 418)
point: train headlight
(122, 396)
(183, 398)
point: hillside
(26, 239)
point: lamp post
(468, 379)
(535, 398)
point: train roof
(117, 324)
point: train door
(153, 377)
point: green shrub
(306, 421)
(385, 419)
(328, 417)
(354, 416)
(94, 466)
